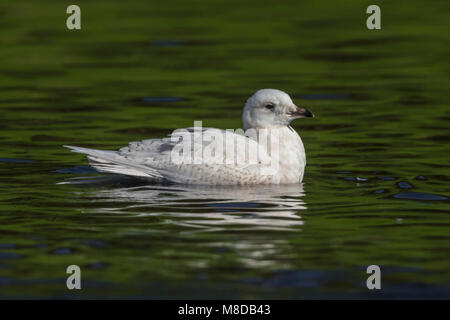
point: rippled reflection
(207, 207)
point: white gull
(205, 156)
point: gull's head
(269, 108)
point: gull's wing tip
(72, 148)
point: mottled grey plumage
(267, 114)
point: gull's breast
(292, 159)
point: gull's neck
(283, 136)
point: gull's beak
(301, 113)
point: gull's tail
(112, 162)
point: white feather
(154, 158)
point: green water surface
(376, 187)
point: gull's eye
(270, 107)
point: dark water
(376, 189)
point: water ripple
(420, 196)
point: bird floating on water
(270, 151)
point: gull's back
(154, 159)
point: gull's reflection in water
(238, 226)
(205, 208)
